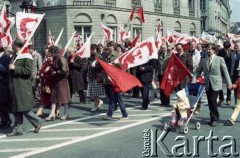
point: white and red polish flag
(138, 55)
(26, 24)
(50, 39)
(108, 32)
(5, 25)
(6, 37)
(85, 50)
(67, 45)
(172, 36)
(123, 35)
(159, 40)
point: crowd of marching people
(50, 80)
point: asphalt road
(86, 135)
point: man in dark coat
(145, 76)
(21, 95)
(186, 59)
(76, 83)
(227, 54)
(4, 92)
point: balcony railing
(176, 10)
(110, 3)
(158, 7)
(136, 3)
(83, 2)
(191, 12)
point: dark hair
(31, 46)
(111, 43)
(226, 44)
(1, 49)
(18, 42)
(179, 44)
(54, 50)
(211, 46)
(94, 46)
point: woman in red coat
(46, 80)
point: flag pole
(67, 45)
(58, 38)
(30, 36)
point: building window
(191, 7)
(176, 7)
(84, 31)
(176, 3)
(136, 30)
(177, 27)
(203, 25)
(158, 6)
(202, 4)
(136, 3)
(110, 3)
(193, 30)
(83, 2)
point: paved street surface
(86, 135)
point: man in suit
(186, 59)
(228, 55)
(214, 68)
(145, 76)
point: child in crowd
(181, 106)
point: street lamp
(26, 5)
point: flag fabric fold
(174, 74)
(135, 41)
(141, 14)
(85, 50)
(132, 14)
(5, 25)
(119, 77)
(108, 32)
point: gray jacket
(214, 73)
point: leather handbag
(47, 89)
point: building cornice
(113, 9)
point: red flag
(174, 74)
(135, 41)
(121, 80)
(141, 14)
(132, 14)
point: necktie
(210, 61)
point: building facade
(215, 16)
(86, 16)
